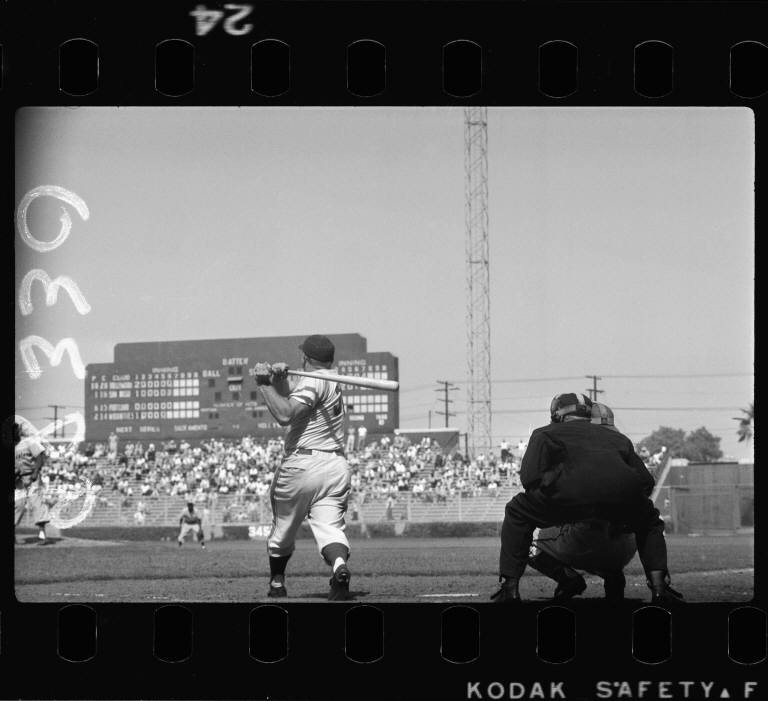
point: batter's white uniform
(313, 480)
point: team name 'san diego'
(646, 689)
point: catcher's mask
(570, 404)
(602, 414)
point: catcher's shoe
(614, 584)
(340, 584)
(569, 587)
(667, 597)
(277, 586)
(508, 592)
(662, 593)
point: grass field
(384, 570)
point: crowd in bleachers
(393, 469)
(136, 473)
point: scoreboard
(210, 391)
(160, 393)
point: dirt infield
(384, 570)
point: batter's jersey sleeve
(306, 391)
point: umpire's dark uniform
(573, 471)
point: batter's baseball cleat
(614, 585)
(277, 586)
(570, 587)
(340, 584)
(508, 593)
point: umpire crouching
(575, 470)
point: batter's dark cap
(318, 348)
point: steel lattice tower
(478, 280)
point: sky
(621, 245)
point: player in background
(29, 459)
(574, 470)
(313, 480)
(596, 546)
(190, 521)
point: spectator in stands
(390, 504)
(350, 447)
(362, 432)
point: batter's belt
(317, 451)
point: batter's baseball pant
(532, 509)
(315, 487)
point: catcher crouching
(576, 471)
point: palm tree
(746, 430)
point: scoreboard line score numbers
(234, 23)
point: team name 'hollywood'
(515, 690)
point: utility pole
(447, 387)
(55, 419)
(429, 419)
(594, 391)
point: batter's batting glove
(263, 373)
(279, 371)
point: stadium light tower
(478, 279)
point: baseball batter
(596, 546)
(29, 458)
(575, 471)
(190, 522)
(313, 480)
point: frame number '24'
(206, 20)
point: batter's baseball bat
(371, 383)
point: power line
(47, 406)
(604, 377)
(661, 377)
(674, 408)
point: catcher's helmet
(602, 414)
(570, 404)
